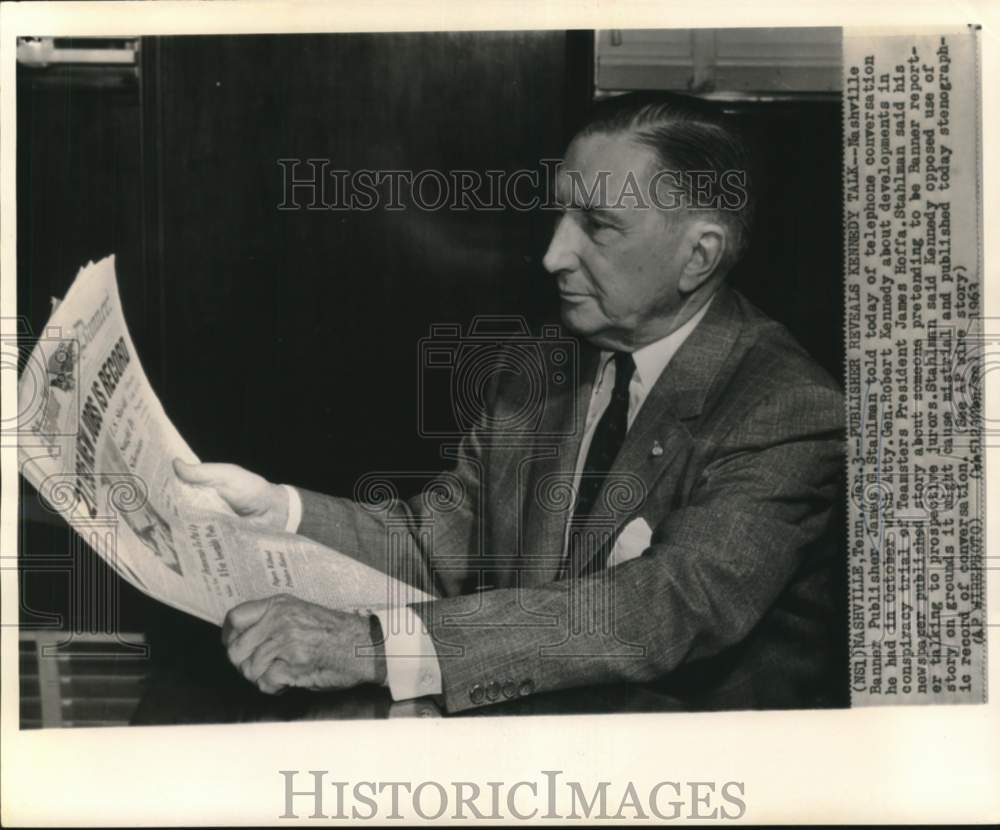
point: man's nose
(561, 255)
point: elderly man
(701, 448)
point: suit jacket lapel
(548, 500)
(658, 432)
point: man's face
(617, 263)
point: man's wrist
(288, 508)
(411, 664)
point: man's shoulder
(770, 355)
(766, 364)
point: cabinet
(720, 62)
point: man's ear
(707, 242)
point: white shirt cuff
(411, 663)
(294, 510)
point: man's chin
(580, 319)
(586, 322)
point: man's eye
(593, 223)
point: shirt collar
(651, 360)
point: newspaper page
(98, 446)
(914, 334)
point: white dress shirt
(412, 668)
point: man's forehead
(615, 158)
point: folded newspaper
(98, 446)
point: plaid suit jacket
(735, 461)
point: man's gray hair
(688, 135)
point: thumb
(214, 475)
(192, 473)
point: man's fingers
(276, 679)
(241, 617)
(257, 663)
(243, 645)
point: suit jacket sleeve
(424, 541)
(714, 567)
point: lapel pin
(657, 450)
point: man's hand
(248, 494)
(283, 641)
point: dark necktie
(604, 448)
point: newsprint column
(915, 337)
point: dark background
(287, 341)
